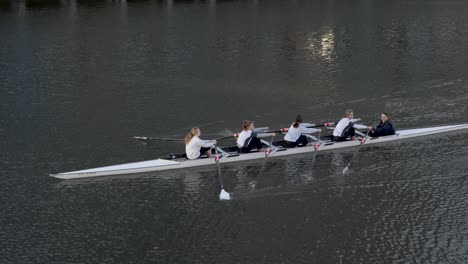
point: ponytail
(298, 121)
(191, 134)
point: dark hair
(299, 118)
(298, 121)
(383, 113)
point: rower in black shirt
(384, 128)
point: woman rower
(295, 136)
(345, 127)
(195, 147)
(384, 128)
(249, 138)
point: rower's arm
(357, 126)
(312, 137)
(305, 130)
(260, 129)
(204, 144)
(263, 135)
(308, 124)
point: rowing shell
(163, 164)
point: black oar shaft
(219, 168)
(226, 137)
(316, 147)
(175, 139)
(363, 140)
(328, 124)
(162, 139)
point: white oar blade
(345, 170)
(224, 195)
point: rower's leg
(339, 139)
(255, 143)
(205, 151)
(244, 150)
(291, 144)
(372, 133)
(351, 133)
(258, 143)
(302, 140)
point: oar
(262, 168)
(316, 147)
(267, 152)
(286, 129)
(223, 195)
(326, 124)
(162, 139)
(175, 139)
(363, 140)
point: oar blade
(141, 138)
(345, 170)
(224, 195)
(161, 139)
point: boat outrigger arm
(181, 163)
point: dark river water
(79, 79)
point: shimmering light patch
(327, 45)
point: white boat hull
(161, 164)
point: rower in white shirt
(346, 127)
(250, 136)
(295, 136)
(196, 147)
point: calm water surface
(79, 79)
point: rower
(384, 128)
(345, 127)
(250, 136)
(195, 147)
(295, 136)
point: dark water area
(79, 79)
